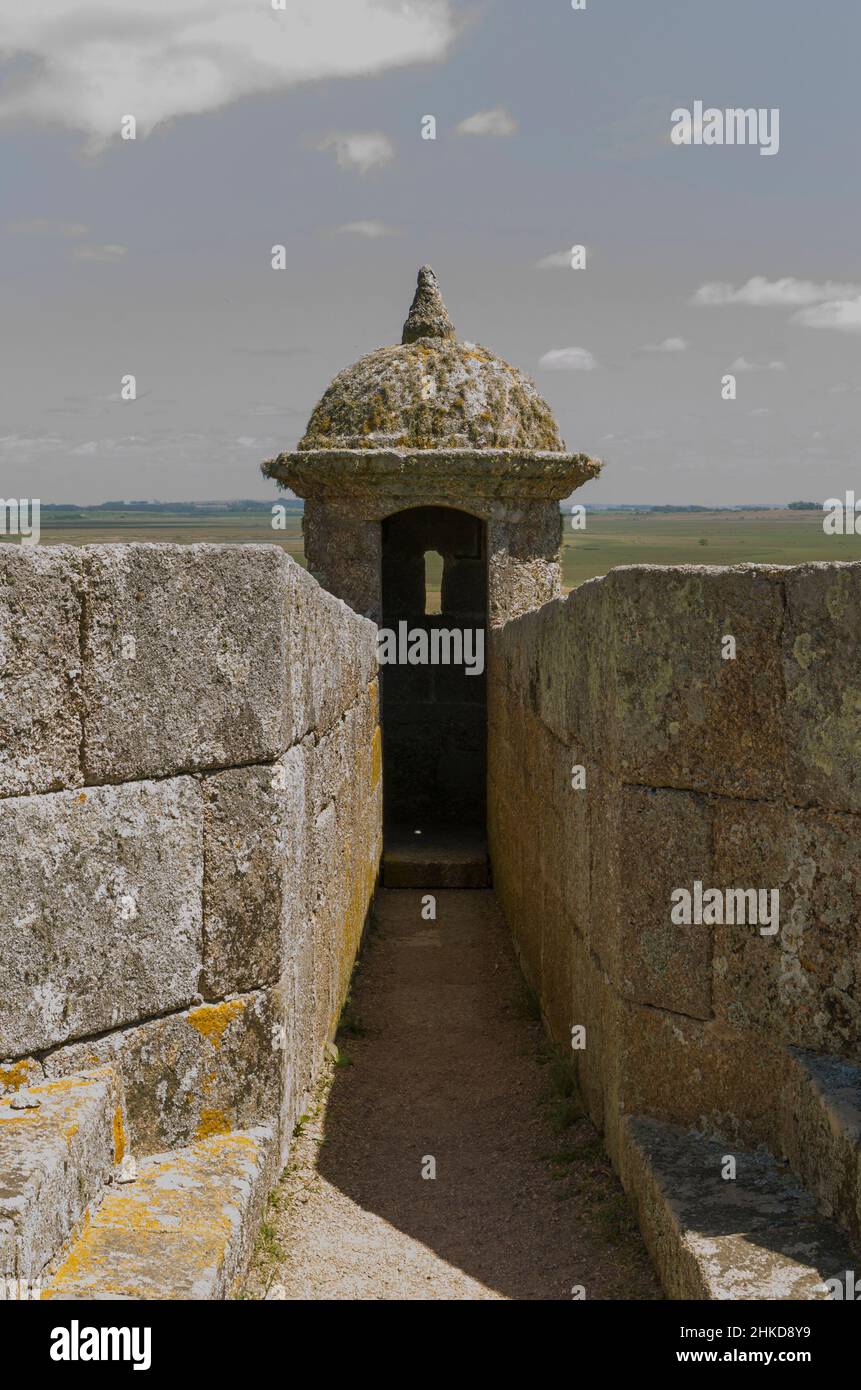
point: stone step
(435, 857)
(60, 1142)
(182, 1230)
(759, 1236)
(821, 1131)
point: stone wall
(190, 826)
(741, 773)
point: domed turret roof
(431, 392)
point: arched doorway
(434, 706)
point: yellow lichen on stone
(17, 1117)
(211, 1123)
(17, 1074)
(211, 1020)
(70, 1083)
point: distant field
(698, 538)
(102, 528)
(610, 538)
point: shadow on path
(445, 1063)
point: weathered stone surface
(55, 1159)
(183, 1230)
(186, 649)
(678, 714)
(333, 657)
(757, 1237)
(40, 667)
(341, 859)
(196, 656)
(101, 909)
(428, 316)
(821, 1132)
(344, 553)
(802, 984)
(253, 892)
(663, 840)
(702, 1073)
(689, 778)
(191, 1075)
(523, 558)
(822, 669)
(429, 392)
(14, 1076)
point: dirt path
(441, 1057)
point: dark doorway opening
(434, 713)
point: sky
(302, 127)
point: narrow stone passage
(442, 1057)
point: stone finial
(428, 316)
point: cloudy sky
(303, 127)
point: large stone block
(344, 552)
(523, 558)
(202, 1072)
(582, 658)
(183, 1230)
(254, 890)
(333, 657)
(677, 714)
(801, 984)
(757, 1238)
(821, 1132)
(699, 1073)
(185, 653)
(55, 1159)
(595, 1008)
(644, 845)
(101, 911)
(822, 667)
(40, 668)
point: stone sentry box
(433, 445)
(433, 422)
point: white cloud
(741, 364)
(110, 252)
(86, 63)
(668, 345)
(46, 226)
(15, 444)
(570, 359)
(366, 229)
(557, 260)
(359, 151)
(758, 292)
(495, 122)
(842, 314)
